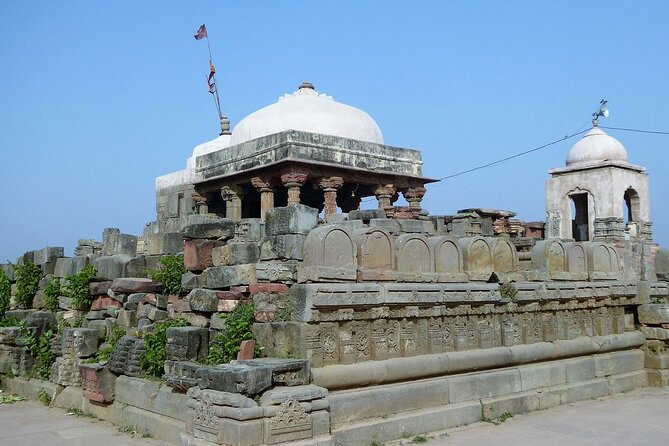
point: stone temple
(370, 324)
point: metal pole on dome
(603, 111)
(202, 33)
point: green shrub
(170, 272)
(11, 321)
(27, 283)
(237, 329)
(51, 293)
(152, 361)
(5, 293)
(76, 287)
(40, 348)
(508, 290)
(104, 353)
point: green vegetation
(40, 348)
(420, 439)
(105, 352)
(152, 361)
(237, 329)
(43, 397)
(10, 399)
(508, 290)
(170, 272)
(10, 321)
(5, 293)
(51, 293)
(27, 283)
(80, 413)
(76, 287)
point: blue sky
(99, 98)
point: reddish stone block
(244, 289)
(149, 298)
(102, 303)
(197, 254)
(229, 295)
(271, 288)
(99, 288)
(246, 350)
(98, 382)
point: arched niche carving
(414, 258)
(329, 255)
(375, 255)
(603, 261)
(448, 262)
(477, 258)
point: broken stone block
(250, 230)
(654, 314)
(127, 318)
(110, 267)
(47, 255)
(68, 266)
(277, 271)
(40, 322)
(235, 253)
(211, 227)
(246, 349)
(287, 247)
(187, 343)
(227, 276)
(9, 271)
(99, 288)
(156, 315)
(285, 372)
(181, 375)
(115, 243)
(9, 335)
(198, 254)
(196, 320)
(104, 302)
(203, 300)
(98, 382)
(366, 214)
(134, 285)
(190, 281)
(125, 357)
(304, 393)
(82, 341)
(173, 243)
(237, 378)
(293, 219)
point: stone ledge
(425, 366)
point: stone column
(264, 186)
(200, 203)
(413, 196)
(293, 181)
(384, 195)
(330, 186)
(233, 201)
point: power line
(654, 132)
(543, 146)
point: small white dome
(596, 146)
(219, 143)
(308, 111)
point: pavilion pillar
(413, 196)
(293, 181)
(385, 195)
(330, 186)
(266, 190)
(200, 203)
(232, 195)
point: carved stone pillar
(330, 186)
(200, 203)
(385, 195)
(293, 181)
(413, 196)
(233, 201)
(265, 187)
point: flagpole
(225, 124)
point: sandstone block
(366, 214)
(294, 219)
(235, 253)
(277, 271)
(227, 276)
(68, 266)
(134, 285)
(203, 300)
(99, 288)
(110, 267)
(98, 382)
(213, 228)
(236, 378)
(127, 318)
(287, 246)
(654, 314)
(47, 255)
(187, 343)
(102, 303)
(198, 254)
(190, 281)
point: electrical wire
(654, 132)
(535, 149)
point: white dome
(219, 143)
(308, 111)
(596, 146)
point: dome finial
(603, 111)
(306, 84)
(225, 126)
